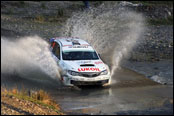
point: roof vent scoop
(86, 65)
(68, 40)
(75, 42)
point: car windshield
(79, 55)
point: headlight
(105, 72)
(73, 73)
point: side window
(56, 50)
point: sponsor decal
(84, 62)
(78, 46)
(67, 45)
(88, 69)
(99, 62)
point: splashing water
(27, 57)
(111, 30)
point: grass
(39, 97)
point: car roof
(70, 43)
(69, 40)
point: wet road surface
(130, 93)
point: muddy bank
(14, 102)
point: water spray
(112, 30)
(28, 57)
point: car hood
(85, 65)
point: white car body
(86, 71)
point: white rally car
(79, 62)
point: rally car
(79, 62)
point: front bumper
(102, 82)
(70, 80)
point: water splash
(27, 57)
(112, 30)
